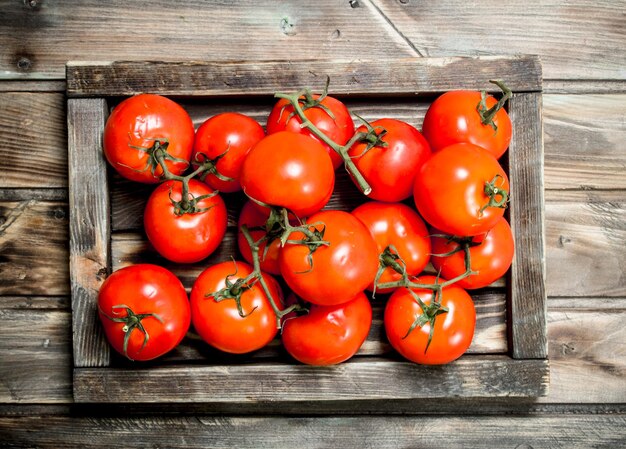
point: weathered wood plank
(587, 366)
(587, 356)
(580, 39)
(584, 141)
(32, 86)
(39, 40)
(585, 235)
(571, 431)
(35, 302)
(358, 379)
(89, 226)
(33, 248)
(382, 77)
(33, 144)
(527, 276)
(35, 356)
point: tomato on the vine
(338, 263)
(453, 330)
(143, 127)
(391, 164)
(225, 140)
(216, 315)
(490, 256)
(461, 190)
(185, 232)
(144, 311)
(289, 170)
(401, 236)
(455, 117)
(326, 113)
(328, 334)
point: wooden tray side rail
(523, 372)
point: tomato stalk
(498, 197)
(434, 309)
(185, 205)
(294, 99)
(257, 274)
(487, 114)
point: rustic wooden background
(582, 45)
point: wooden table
(581, 44)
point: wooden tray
(508, 354)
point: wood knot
(355, 4)
(24, 63)
(287, 27)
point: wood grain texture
(580, 39)
(35, 356)
(469, 376)
(39, 40)
(587, 349)
(584, 141)
(382, 77)
(526, 283)
(585, 235)
(569, 431)
(89, 227)
(587, 366)
(33, 248)
(33, 144)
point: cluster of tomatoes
(328, 259)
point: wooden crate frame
(524, 372)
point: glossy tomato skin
(340, 129)
(145, 288)
(254, 218)
(340, 270)
(453, 331)
(397, 225)
(289, 170)
(449, 190)
(230, 135)
(328, 335)
(186, 238)
(219, 323)
(490, 259)
(453, 118)
(137, 122)
(391, 170)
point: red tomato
(219, 322)
(340, 270)
(255, 220)
(226, 138)
(450, 190)
(289, 170)
(144, 311)
(328, 334)
(453, 118)
(490, 258)
(184, 237)
(340, 128)
(453, 331)
(390, 170)
(397, 225)
(139, 125)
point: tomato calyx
(294, 99)
(498, 197)
(131, 322)
(157, 155)
(209, 166)
(308, 101)
(390, 258)
(372, 138)
(429, 313)
(487, 114)
(235, 290)
(189, 203)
